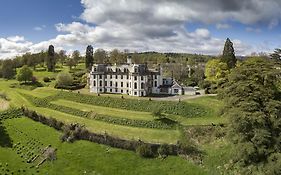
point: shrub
(64, 79)
(4, 96)
(163, 150)
(145, 150)
(46, 79)
(157, 113)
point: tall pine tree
(51, 61)
(89, 57)
(228, 55)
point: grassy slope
(212, 105)
(120, 131)
(126, 132)
(89, 158)
(211, 117)
(216, 153)
(106, 110)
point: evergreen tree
(276, 55)
(51, 62)
(253, 106)
(228, 55)
(89, 59)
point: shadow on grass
(166, 121)
(5, 140)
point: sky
(187, 26)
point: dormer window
(95, 69)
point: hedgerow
(74, 132)
(157, 124)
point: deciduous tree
(216, 70)
(254, 110)
(24, 74)
(100, 56)
(76, 56)
(62, 56)
(8, 70)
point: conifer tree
(89, 57)
(228, 55)
(51, 62)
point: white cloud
(13, 46)
(255, 30)
(160, 25)
(39, 28)
(15, 38)
(223, 26)
(273, 23)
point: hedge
(83, 134)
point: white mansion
(131, 79)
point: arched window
(94, 83)
(142, 85)
(135, 86)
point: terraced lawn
(106, 110)
(120, 113)
(125, 132)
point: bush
(163, 150)
(46, 79)
(4, 96)
(64, 79)
(25, 74)
(157, 113)
(145, 150)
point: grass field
(82, 157)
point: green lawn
(212, 103)
(206, 120)
(106, 110)
(125, 132)
(83, 157)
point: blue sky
(139, 25)
(22, 16)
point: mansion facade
(131, 79)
